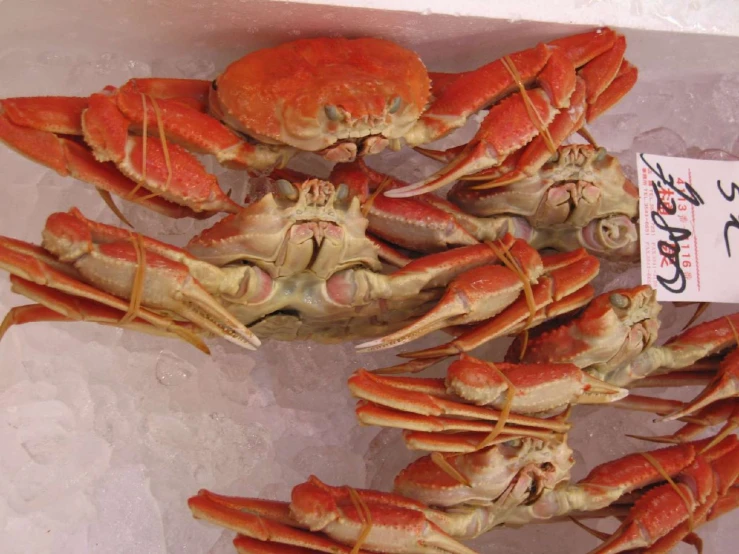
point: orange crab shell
(286, 94)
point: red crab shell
(284, 94)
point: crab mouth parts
(328, 126)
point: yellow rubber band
(652, 460)
(504, 413)
(533, 114)
(508, 260)
(133, 192)
(371, 200)
(366, 517)
(440, 461)
(138, 280)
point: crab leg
(465, 442)
(610, 481)
(667, 507)
(413, 223)
(113, 266)
(540, 388)
(55, 305)
(725, 385)
(214, 279)
(31, 126)
(29, 269)
(473, 91)
(724, 412)
(428, 397)
(555, 294)
(522, 116)
(682, 351)
(357, 287)
(534, 155)
(336, 517)
(161, 167)
(227, 512)
(472, 296)
(374, 414)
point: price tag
(689, 228)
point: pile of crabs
(510, 251)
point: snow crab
(580, 198)
(298, 263)
(294, 265)
(499, 455)
(335, 96)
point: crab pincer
(559, 86)
(482, 292)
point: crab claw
(663, 509)
(116, 267)
(725, 385)
(563, 289)
(472, 296)
(660, 510)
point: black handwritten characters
(733, 222)
(665, 189)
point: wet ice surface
(106, 433)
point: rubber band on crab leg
(661, 470)
(597, 534)
(379, 190)
(584, 133)
(144, 140)
(702, 307)
(138, 280)
(731, 426)
(525, 341)
(504, 413)
(365, 515)
(440, 461)
(533, 115)
(506, 259)
(165, 149)
(108, 199)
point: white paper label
(689, 226)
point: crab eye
(342, 193)
(394, 105)
(287, 189)
(619, 301)
(214, 85)
(332, 112)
